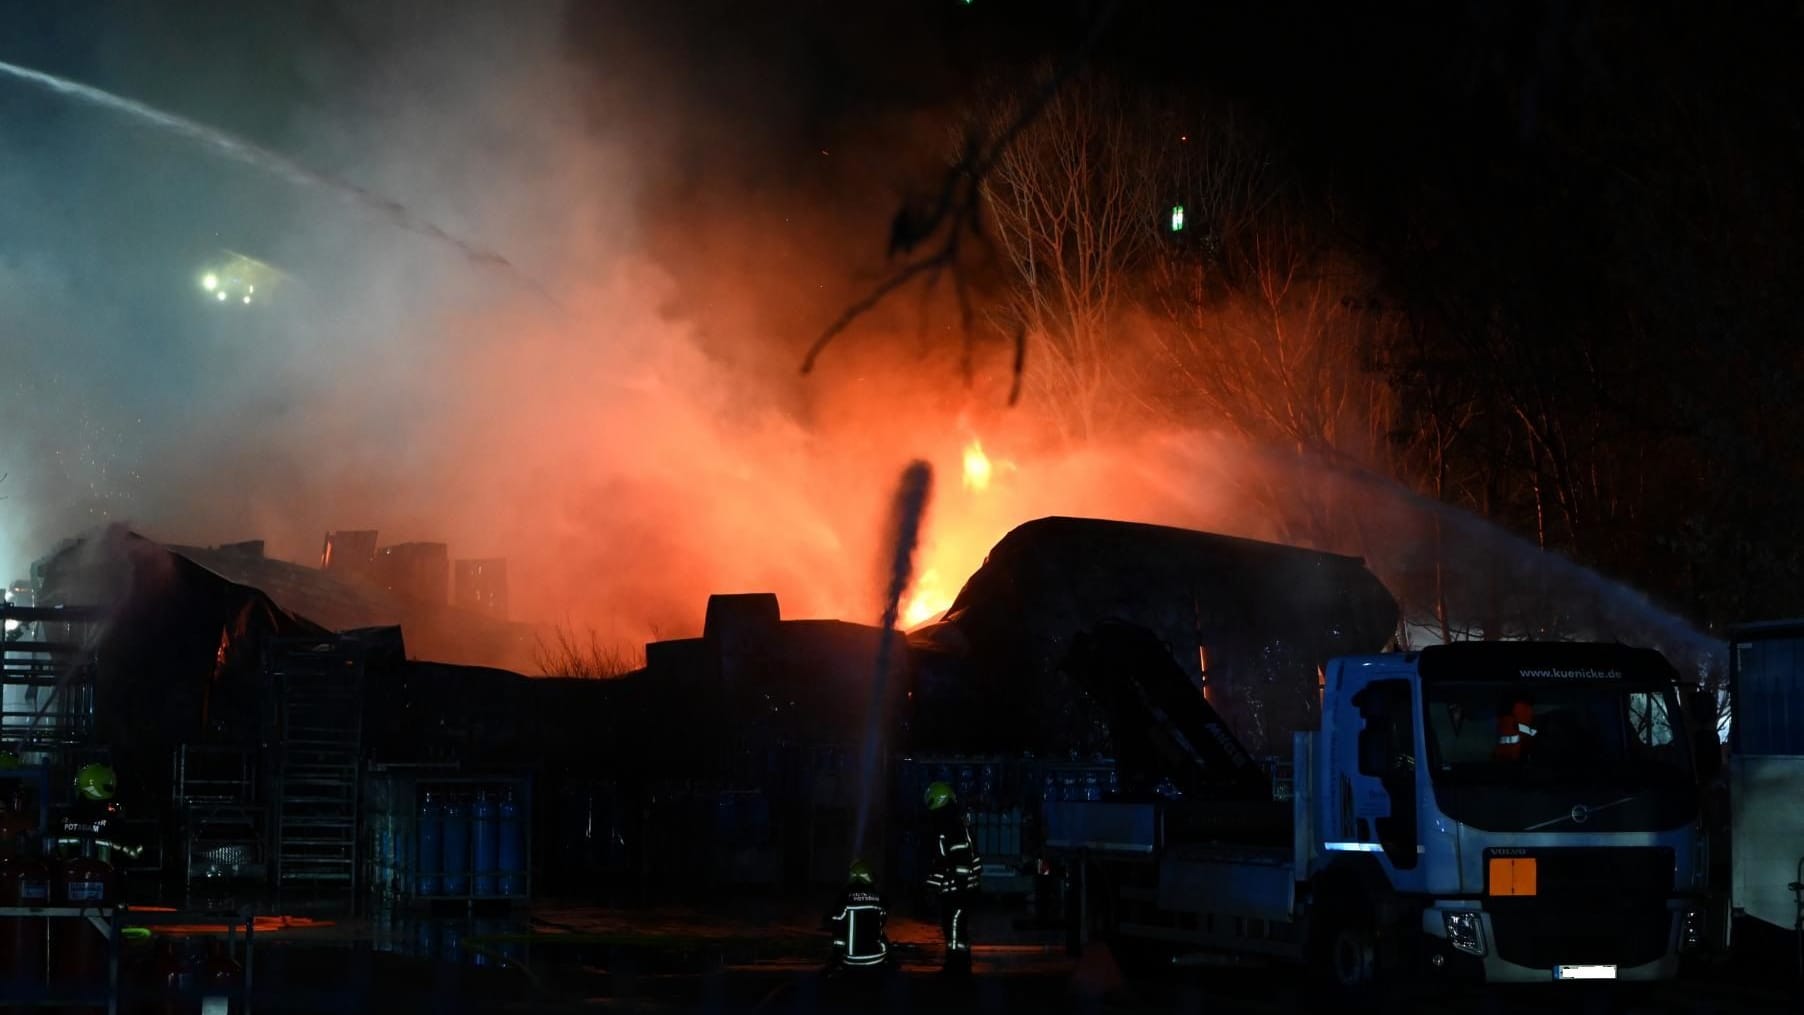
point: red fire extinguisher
(79, 950)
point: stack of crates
(439, 837)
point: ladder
(222, 822)
(317, 689)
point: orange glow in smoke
(977, 467)
(959, 532)
(927, 600)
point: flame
(977, 467)
(947, 551)
(926, 601)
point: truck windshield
(1572, 755)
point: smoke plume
(697, 207)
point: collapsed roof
(436, 631)
(178, 650)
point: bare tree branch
(957, 213)
(568, 655)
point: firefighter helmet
(938, 795)
(96, 781)
(861, 873)
(8, 760)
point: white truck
(1766, 785)
(1494, 811)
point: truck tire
(1353, 955)
(1344, 953)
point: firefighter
(89, 826)
(955, 872)
(1515, 730)
(858, 925)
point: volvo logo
(1580, 814)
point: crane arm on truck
(1162, 728)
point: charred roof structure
(1249, 623)
(410, 590)
(180, 653)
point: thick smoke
(697, 219)
(628, 456)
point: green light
(1177, 218)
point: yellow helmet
(938, 795)
(96, 781)
(861, 873)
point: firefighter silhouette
(955, 872)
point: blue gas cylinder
(510, 856)
(483, 849)
(457, 848)
(429, 860)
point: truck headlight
(1464, 931)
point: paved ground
(765, 959)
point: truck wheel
(1353, 955)
(1345, 955)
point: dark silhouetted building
(481, 586)
(350, 553)
(416, 571)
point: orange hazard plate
(1511, 875)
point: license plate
(1584, 972)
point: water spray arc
(1629, 612)
(279, 166)
(907, 513)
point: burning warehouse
(1070, 623)
(732, 753)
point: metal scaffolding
(316, 690)
(47, 679)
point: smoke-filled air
(645, 437)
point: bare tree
(566, 654)
(1269, 336)
(943, 225)
(1073, 207)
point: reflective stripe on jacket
(956, 867)
(858, 936)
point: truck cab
(1535, 805)
(1491, 811)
